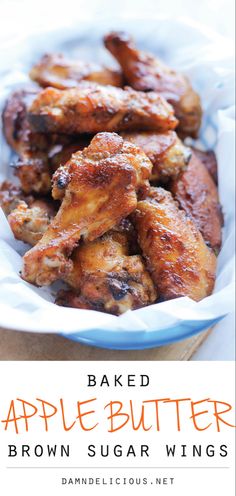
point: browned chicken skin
(11, 195)
(147, 73)
(91, 109)
(167, 153)
(208, 158)
(99, 188)
(57, 71)
(179, 262)
(106, 278)
(28, 224)
(40, 154)
(197, 194)
(32, 167)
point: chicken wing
(57, 71)
(197, 194)
(11, 196)
(106, 278)
(208, 158)
(99, 188)
(147, 73)
(178, 259)
(167, 153)
(91, 109)
(28, 224)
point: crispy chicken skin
(99, 188)
(179, 261)
(11, 195)
(166, 151)
(208, 158)
(91, 109)
(147, 73)
(28, 224)
(104, 277)
(57, 71)
(197, 195)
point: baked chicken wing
(29, 223)
(57, 71)
(99, 187)
(166, 151)
(147, 73)
(197, 194)
(91, 109)
(179, 261)
(106, 278)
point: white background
(19, 17)
(195, 475)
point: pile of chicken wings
(112, 201)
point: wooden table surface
(31, 346)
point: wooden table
(31, 346)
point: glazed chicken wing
(167, 153)
(99, 188)
(57, 71)
(178, 259)
(28, 224)
(197, 194)
(104, 277)
(91, 109)
(147, 73)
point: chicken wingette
(145, 72)
(57, 71)
(197, 195)
(177, 257)
(106, 278)
(166, 151)
(95, 108)
(98, 187)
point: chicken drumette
(94, 108)
(167, 153)
(197, 194)
(57, 71)
(147, 73)
(179, 261)
(98, 187)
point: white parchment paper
(208, 61)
